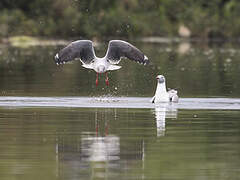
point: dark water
(195, 70)
(49, 131)
(83, 143)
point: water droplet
(182, 69)
(228, 60)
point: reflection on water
(163, 112)
(95, 155)
(102, 151)
(184, 48)
(92, 143)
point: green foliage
(127, 18)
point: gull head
(160, 79)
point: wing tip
(146, 61)
(57, 60)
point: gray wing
(118, 49)
(82, 49)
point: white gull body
(161, 94)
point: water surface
(118, 102)
(93, 143)
(196, 70)
(55, 124)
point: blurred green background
(125, 19)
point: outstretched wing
(118, 49)
(82, 49)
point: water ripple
(118, 102)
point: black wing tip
(145, 61)
(57, 60)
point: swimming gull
(161, 94)
(84, 51)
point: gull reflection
(102, 153)
(94, 154)
(97, 153)
(101, 150)
(163, 111)
(184, 48)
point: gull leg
(97, 80)
(107, 82)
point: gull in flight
(84, 51)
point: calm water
(92, 143)
(55, 124)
